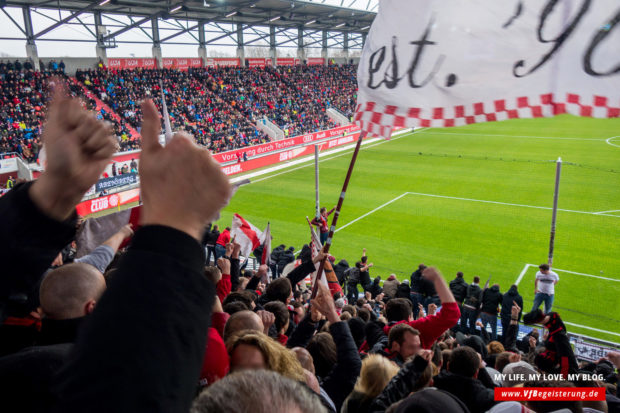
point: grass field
(474, 199)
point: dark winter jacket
(375, 288)
(285, 258)
(403, 291)
(340, 269)
(474, 296)
(341, 379)
(275, 254)
(29, 242)
(470, 391)
(508, 298)
(427, 288)
(416, 276)
(491, 300)
(458, 286)
(27, 377)
(210, 237)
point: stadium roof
(334, 15)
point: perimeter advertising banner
(216, 61)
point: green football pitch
(475, 199)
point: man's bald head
(71, 291)
(305, 358)
(242, 320)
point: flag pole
(166, 116)
(316, 179)
(332, 229)
(556, 194)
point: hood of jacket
(513, 290)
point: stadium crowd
(150, 328)
(23, 103)
(218, 106)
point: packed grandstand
(218, 106)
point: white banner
(442, 63)
(8, 165)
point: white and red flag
(246, 235)
(95, 231)
(441, 63)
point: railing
(271, 129)
(338, 117)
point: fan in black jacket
(461, 380)
(509, 297)
(340, 381)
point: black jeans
(469, 316)
(210, 250)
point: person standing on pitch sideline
(544, 287)
(321, 222)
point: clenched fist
(182, 186)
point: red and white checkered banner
(441, 63)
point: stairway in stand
(101, 105)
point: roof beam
(66, 19)
(131, 26)
(180, 32)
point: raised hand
(514, 311)
(78, 147)
(267, 318)
(324, 303)
(182, 186)
(432, 308)
(224, 265)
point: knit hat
(216, 361)
(431, 400)
(520, 367)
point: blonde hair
(277, 357)
(376, 373)
(495, 347)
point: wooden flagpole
(332, 229)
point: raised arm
(38, 219)
(341, 379)
(143, 347)
(433, 326)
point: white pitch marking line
(374, 210)
(523, 272)
(511, 204)
(591, 328)
(605, 212)
(581, 273)
(521, 136)
(608, 141)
